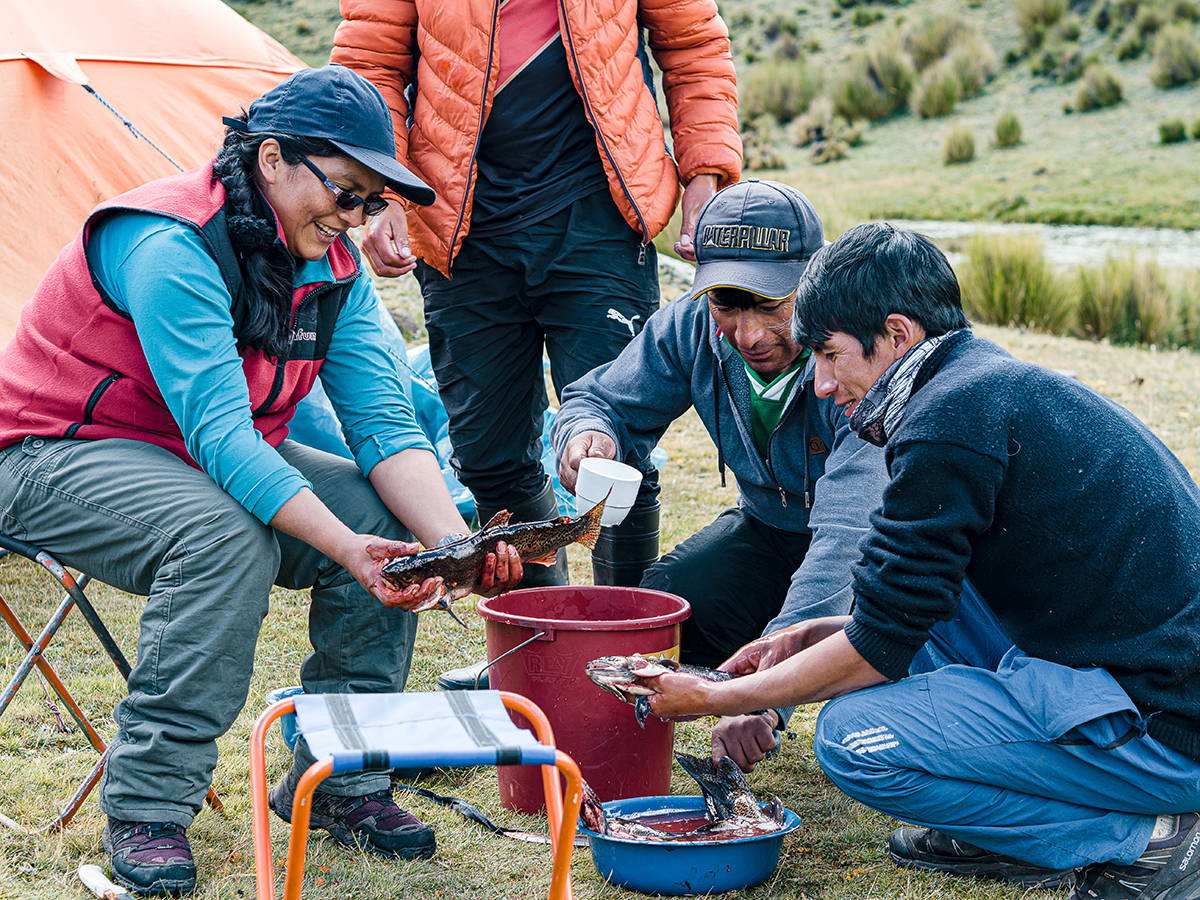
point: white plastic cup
(607, 479)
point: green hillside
(1104, 166)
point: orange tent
(99, 96)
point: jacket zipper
(770, 468)
(90, 407)
(487, 75)
(587, 108)
(766, 462)
(280, 364)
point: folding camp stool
(35, 656)
(379, 732)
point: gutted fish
(619, 676)
(460, 564)
(732, 811)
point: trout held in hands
(460, 564)
(619, 675)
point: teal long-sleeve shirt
(157, 271)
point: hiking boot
(372, 822)
(153, 858)
(925, 848)
(468, 678)
(1169, 869)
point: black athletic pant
(735, 573)
(571, 283)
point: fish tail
(641, 709)
(592, 533)
(717, 781)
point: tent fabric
(171, 68)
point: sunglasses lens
(373, 206)
(347, 200)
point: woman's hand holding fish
(774, 648)
(366, 560)
(502, 571)
(584, 444)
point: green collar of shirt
(769, 399)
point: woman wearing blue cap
(144, 405)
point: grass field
(837, 854)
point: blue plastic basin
(679, 868)
(287, 722)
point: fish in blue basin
(732, 809)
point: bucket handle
(523, 643)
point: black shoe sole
(998, 871)
(347, 838)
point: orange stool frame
(562, 817)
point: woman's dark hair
(267, 266)
(870, 272)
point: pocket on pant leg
(1025, 699)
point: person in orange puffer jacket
(536, 123)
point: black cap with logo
(756, 236)
(342, 107)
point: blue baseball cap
(342, 107)
(756, 236)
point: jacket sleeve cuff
(888, 657)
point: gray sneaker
(1169, 869)
(468, 678)
(371, 822)
(934, 851)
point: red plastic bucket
(598, 731)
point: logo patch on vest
(748, 237)
(816, 445)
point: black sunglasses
(372, 205)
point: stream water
(1080, 245)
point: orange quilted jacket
(452, 48)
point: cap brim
(771, 280)
(398, 178)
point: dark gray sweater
(1076, 524)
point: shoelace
(158, 836)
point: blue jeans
(1017, 755)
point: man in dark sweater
(1079, 747)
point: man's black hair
(870, 272)
(736, 298)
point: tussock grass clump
(1126, 301)
(930, 37)
(1130, 45)
(1176, 56)
(782, 88)
(1115, 14)
(1035, 18)
(875, 83)
(1008, 130)
(1007, 281)
(959, 147)
(1069, 28)
(974, 63)
(1099, 89)
(865, 16)
(1196, 129)
(1061, 62)
(1172, 131)
(937, 92)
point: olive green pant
(137, 517)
